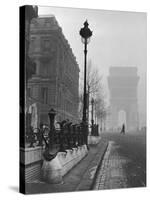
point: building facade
(56, 80)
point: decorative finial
(86, 23)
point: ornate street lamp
(85, 33)
(51, 115)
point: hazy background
(119, 39)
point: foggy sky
(119, 39)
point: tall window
(45, 44)
(44, 95)
(45, 66)
(29, 92)
(32, 44)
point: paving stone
(112, 172)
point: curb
(99, 166)
(89, 176)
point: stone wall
(32, 161)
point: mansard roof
(47, 24)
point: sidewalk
(79, 178)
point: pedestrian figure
(123, 130)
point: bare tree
(100, 111)
(94, 87)
(94, 80)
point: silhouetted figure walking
(123, 130)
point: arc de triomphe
(122, 83)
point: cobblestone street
(114, 171)
(111, 174)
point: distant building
(56, 80)
(123, 85)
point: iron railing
(68, 136)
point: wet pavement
(111, 174)
(124, 163)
